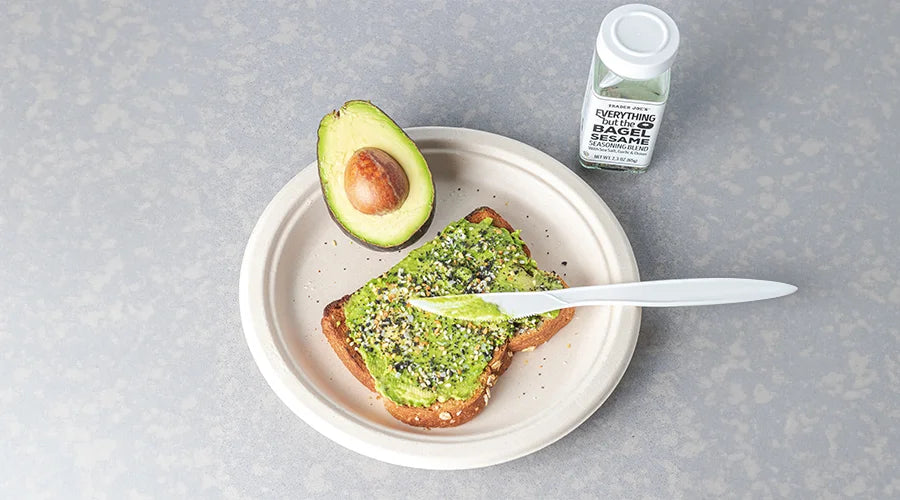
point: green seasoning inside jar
(627, 88)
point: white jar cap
(637, 41)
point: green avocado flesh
(466, 307)
(416, 357)
(357, 125)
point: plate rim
(260, 337)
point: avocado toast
(434, 371)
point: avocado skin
(415, 236)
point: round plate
(298, 260)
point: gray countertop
(139, 143)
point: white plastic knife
(663, 293)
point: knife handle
(672, 293)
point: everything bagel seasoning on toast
(417, 358)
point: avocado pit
(375, 182)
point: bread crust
(451, 412)
(334, 326)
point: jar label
(619, 131)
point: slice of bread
(451, 412)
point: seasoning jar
(627, 88)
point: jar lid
(637, 41)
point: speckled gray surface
(139, 143)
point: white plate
(297, 261)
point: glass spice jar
(627, 88)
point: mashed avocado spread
(470, 307)
(416, 357)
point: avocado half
(359, 125)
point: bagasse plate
(298, 260)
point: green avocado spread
(416, 357)
(470, 307)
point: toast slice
(451, 412)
